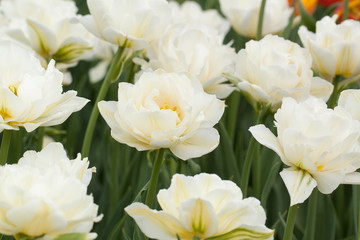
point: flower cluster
(182, 82)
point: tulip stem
(334, 95)
(41, 133)
(251, 152)
(311, 216)
(261, 20)
(113, 74)
(154, 177)
(5, 144)
(345, 10)
(290, 222)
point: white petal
(265, 137)
(299, 184)
(198, 217)
(155, 224)
(201, 141)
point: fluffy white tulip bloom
(273, 68)
(54, 156)
(204, 206)
(138, 21)
(30, 95)
(165, 110)
(244, 15)
(196, 50)
(319, 145)
(48, 199)
(49, 28)
(191, 13)
(335, 48)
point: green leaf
(72, 236)
(243, 233)
(308, 20)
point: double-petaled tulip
(273, 68)
(203, 206)
(165, 110)
(335, 48)
(44, 196)
(244, 15)
(31, 96)
(197, 50)
(320, 146)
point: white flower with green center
(49, 28)
(202, 207)
(320, 146)
(31, 96)
(138, 22)
(165, 110)
(47, 199)
(335, 48)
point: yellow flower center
(173, 108)
(13, 88)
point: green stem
(154, 177)
(41, 133)
(290, 222)
(112, 75)
(311, 216)
(345, 10)
(261, 20)
(250, 152)
(334, 95)
(257, 169)
(232, 116)
(4, 149)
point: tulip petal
(299, 184)
(155, 224)
(321, 88)
(265, 137)
(198, 217)
(352, 178)
(238, 213)
(201, 141)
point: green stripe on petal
(244, 233)
(299, 184)
(70, 52)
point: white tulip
(137, 21)
(30, 95)
(196, 50)
(335, 48)
(165, 110)
(54, 156)
(273, 68)
(203, 206)
(49, 200)
(244, 15)
(47, 27)
(319, 145)
(191, 13)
